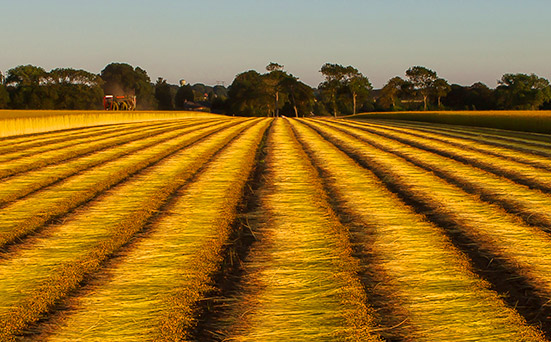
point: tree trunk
(296, 111)
(425, 102)
(354, 102)
(276, 111)
(439, 104)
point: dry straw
(530, 204)
(421, 275)
(151, 292)
(470, 145)
(25, 183)
(24, 216)
(300, 282)
(50, 267)
(29, 121)
(529, 143)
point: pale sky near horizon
(465, 41)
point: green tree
(183, 95)
(29, 89)
(422, 80)
(4, 95)
(441, 89)
(301, 96)
(249, 96)
(334, 77)
(521, 91)
(358, 85)
(273, 83)
(76, 89)
(390, 93)
(123, 79)
(163, 94)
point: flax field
(199, 227)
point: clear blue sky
(208, 41)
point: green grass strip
(43, 272)
(420, 272)
(300, 280)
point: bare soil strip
(533, 206)
(420, 274)
(23, 184)
(521, 173)
(28, 214)
(134, 301)
(53, 265)
(500, 237)
(300, 281)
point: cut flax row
(421, 274)
(39, 138)
(521, 173)
(300, 280)
(22, 184)
(530, 204)
(31, 122)
(43, 272)
(8, 146)
(526, 145)
(23, 217)
(69, 144)
(534, 160)
(56, 156)
(522, 249)
(151, 292)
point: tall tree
(390, 93)
(29, 89)
(423, 81)
(4, 95)
(301, 96)
(441, 89)
(163, 94)
(183, 95)
(273, 80)
(334, 76)
(521, 91)
(249, 96)
(358, 85)
(123, 79)
(76, 89)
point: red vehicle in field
(125, 102)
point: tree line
(344, 90)
(32, 87)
